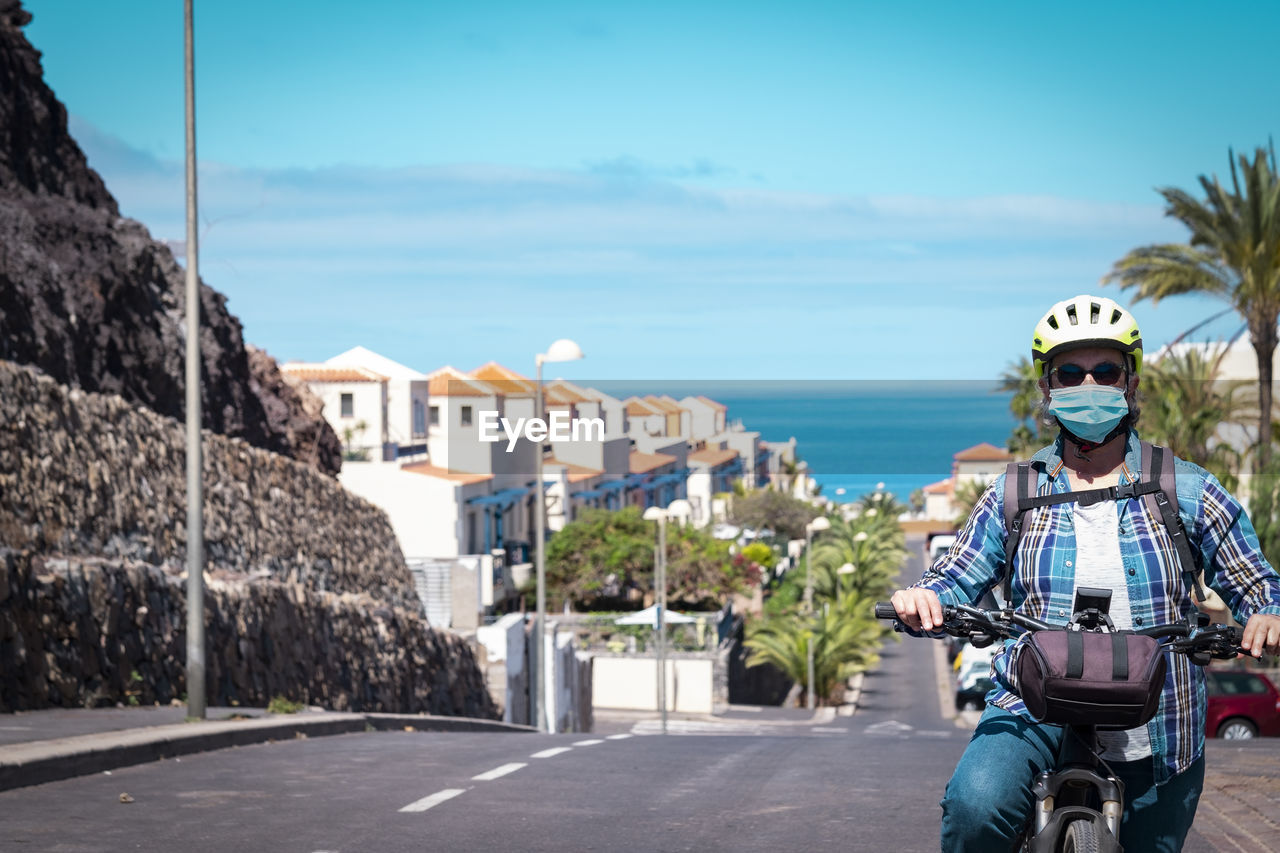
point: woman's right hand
(918, 609)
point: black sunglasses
(1107, 373)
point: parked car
(1242, 704)
(973, 696)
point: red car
(1242, 704)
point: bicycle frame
(1063, 795)
(1066, 793)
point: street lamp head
(680, 508)
(819, 524)
(655, 513)
(562, 350)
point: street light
(818, 525)
(196, 699)
(561, 350)
(679, 509)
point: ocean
(858, 434)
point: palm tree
(1233, 253)
(845, 636)
(968, 493)
(1185, 403)
(1021, 379)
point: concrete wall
(632, 683)
(505, 667)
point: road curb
(429, 723)
(38, 762)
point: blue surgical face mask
(1089, 412)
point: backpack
(1157, 488)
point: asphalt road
(754, 780)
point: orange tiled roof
(445, 474)
(985, 452)
(327, 373)
(452, 382)
(639, 407)
(942, 487)
(642, 463)
(665, 404)
(713, 457)
(504, 379)
(577, 473)
(558, 392)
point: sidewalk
(44, 746)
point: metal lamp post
(195, 485)
(562, 350)
(679, 508)
(818, 525)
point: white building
(356, 404)
(712, 471)
(981, 464)
(405, 424)
(707, 418)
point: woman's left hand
(1262, 635)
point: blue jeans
(989, 800)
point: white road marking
(548, 753)
(617, 737)
(588, 742)
(499, 772)
(825, 729)
(434, 800)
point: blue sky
(689, 190)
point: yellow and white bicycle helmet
(1085, 321)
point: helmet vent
(1053, 322)
(1115, 316)
(1071, 315)
(1095, 310)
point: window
(435, 416)
(472, 547)
(348, 405)
(466, 416)
(419, 418)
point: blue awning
(634, 480)
(589, 493)
(612, 485)
(504, 498)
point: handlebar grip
(885, 610)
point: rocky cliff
(308, 597)
(89, 298)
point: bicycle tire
(1081, 837)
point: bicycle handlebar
(965, 622)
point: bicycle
(1077, 808)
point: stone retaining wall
(88, 631)
(94, 475)
(308, 593)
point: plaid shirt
(1158, 594)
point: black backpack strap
(1158, 467)
(1019, 488)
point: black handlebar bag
(1111, 680)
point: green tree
(766, 509)
(603, 560)
(845, 636)
(1233, 253)
(1184, 403)
(968, 493)
(1021, 381)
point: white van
(939, 545)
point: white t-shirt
(1098, 563)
